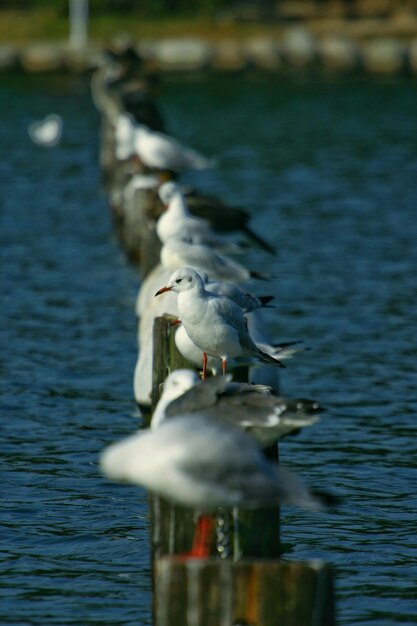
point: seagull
(205, 464)
(46, 132)
(214, 323)
(183, 251)
(254, 408)
(162, 152)
(177, 221)
(209, 211)
(176, 216)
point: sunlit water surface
(328, 169)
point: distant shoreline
(37, 41)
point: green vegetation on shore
(19, 27)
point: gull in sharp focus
(214, 323)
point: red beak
(162, 290)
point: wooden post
(244, 583)
(245, 593)
(173, 527)
(138, 233)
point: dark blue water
(328, 169)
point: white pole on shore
(78, 19)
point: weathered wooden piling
(250, 542)
(245, 593)
(243, 582)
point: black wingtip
(265, 299)
(258, 240)
(259, 276)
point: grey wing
(230, 312)
(202, 396)
(267, 417)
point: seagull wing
(204, 395)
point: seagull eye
(178, 280)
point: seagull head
(167, 191)
(182, 280)
(178, 382)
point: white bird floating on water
(214, 323)
(48, 131)
(253, 408)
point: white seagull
(253, 408)
(162, 152)
(48, 131)
(214, 323)
(205, 464)
(182, 251)
(177, 221)
(176, 216)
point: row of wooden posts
(245, 581)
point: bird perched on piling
(198, 460)
(183, 251)
(214, 323)
(204, 463)
(162, 152)
(178, 220)
(253, 408)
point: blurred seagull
(177, 221)
(205, 464)
(184, 251)
(46, 132)
(253, 408)
(162, 152)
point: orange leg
(202, 537)
(223, 366)
(204, 366)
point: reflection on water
(328, 169)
